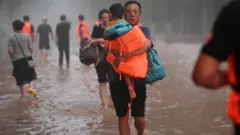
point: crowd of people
(221, 45)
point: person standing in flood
(43, 32)
(20, 51)
(102, 68)
(82, 30)
(118, 87)
(28, 27)
(222, 45)
(63, 40)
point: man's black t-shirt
(62, 31)
(225, 36)
(44, 30)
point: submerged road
(69, 102)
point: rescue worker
(82, 30)
(28, 27)
(221, 46)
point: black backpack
(89, 54)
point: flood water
(69, 102)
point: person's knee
(139, 120)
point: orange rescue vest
(85, 30)
(27, 28)
(233, 109)
(136, 66)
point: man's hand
(127, 55)
(118, 60)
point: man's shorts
(44, 46)
(237, 129)
(121, 98)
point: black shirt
(225, 33)
(44, 30)
(98, 32)
(114, 76)
(62, 31)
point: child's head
(116, 11)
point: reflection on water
(69, 101)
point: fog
(185, 21)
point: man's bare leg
(123, 126)
(140, 124)
(45, 56)
(21, 88)
(32, 84)
(104, 95)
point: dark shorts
(102, 70)
(237, 129)
(22, 73)
(45, 46)
(120, 96)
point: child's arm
(97, 41)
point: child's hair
(116, 10)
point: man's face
(133, 14)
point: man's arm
(207, 73)
(217, 48)
(30, 47)
(141, 50)
(51, 33)
(10, 50)
(33, 34)
(56, 34)
(37, 33)
(147, 45)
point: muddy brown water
(69, 102)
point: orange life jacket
(233, 109)
(136, 66)
(27, 28)
(85, 30)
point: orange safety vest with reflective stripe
(85, 30)
(27, 28)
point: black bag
(89, 54)
(30, 63)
